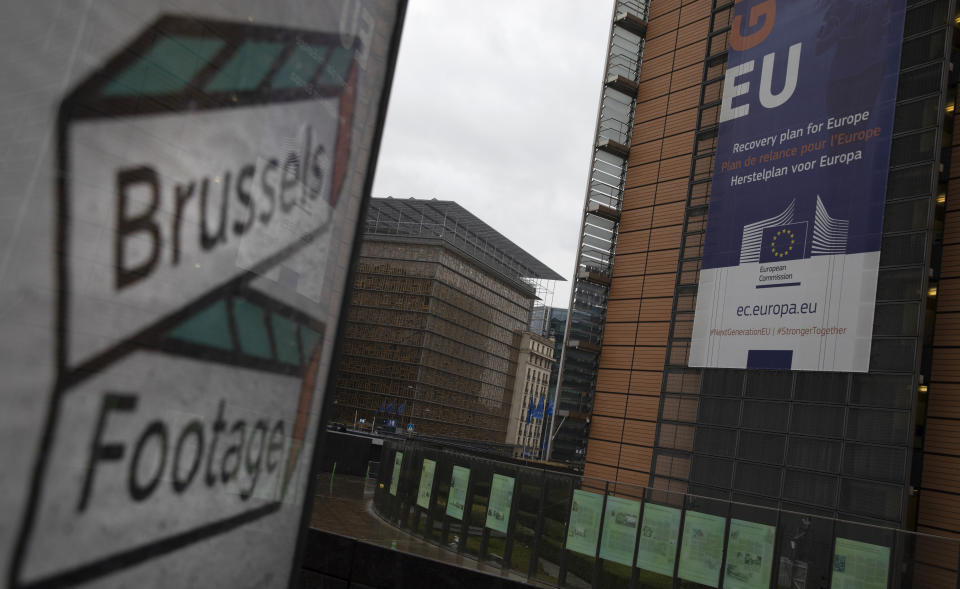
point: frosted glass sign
(584, 528)
(395, 477)
(749, 555)
(458, 491)
(426, 483)
(501, 498)
(859, 565)
(702, 551)
(657, 550)
(619, 537)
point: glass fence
(572, 531)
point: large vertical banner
(792, 247)
(179, 225)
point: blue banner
(792, 246)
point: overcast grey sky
(494, 106)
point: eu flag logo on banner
(784, 242)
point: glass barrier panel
(618, 537)
(527, 517)
(658, 540)
(476, 515)
(556, 506)
(804, 557)
(564, 530)
(751, 547)
(702, 538)
(862, 555)
(578, 567)
(498, 522)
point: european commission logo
(783, 237)
(783, 242)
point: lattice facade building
(439, 299)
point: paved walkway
(346, 509)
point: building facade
(551, 322)
(431, 337)
(876, 447)
(529, 407)
(598, 234)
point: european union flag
(539, 410)
(784, 242)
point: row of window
(807, 437)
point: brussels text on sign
(192, 165)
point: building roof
(446, 220)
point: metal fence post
(634, 572)
(445, 528)
(467, 514)
(485, 534)
(562, 574)
(512, 523)
(676, 559)
(428, 529)
(597, 565)
(538, 529)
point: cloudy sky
(494, 106)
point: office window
(813, 453)
(719, 411)
(755, 478)
(810, 487)
(716, 441)
(878, 426)
(761, 447)
(769, 384)
(817, 420)
(712, 471)
(871, 499)
(822, 387)
(722, 382)
(765, 415)
(873, 462)
(882, 390)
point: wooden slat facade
(645, 273)
(939, 502)
(633, 354)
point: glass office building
(877, 447)
(597, 243)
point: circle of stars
(777, 244)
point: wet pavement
(346, 508)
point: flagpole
(413, 404)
